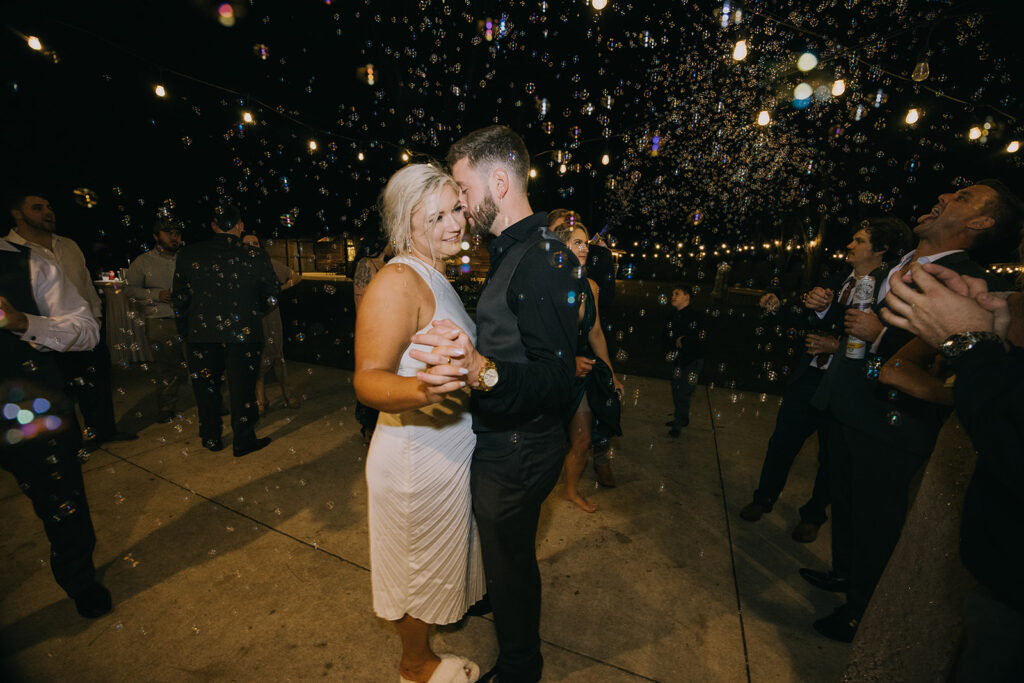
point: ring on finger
(449, 360)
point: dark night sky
(92, 120)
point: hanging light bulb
(34, 43)
(912, 115)
(605, 160)
(763, 119)
(360, 156)
(739, 53)
(1013, 147)
(247, 117)
(974, 133)
(839, 87)
(807, 61)
(803, 91)
(562, 168)
(533, 173)
(921, 70)
(405, 156)
(599, 4)
(312, 145)
(160, 91)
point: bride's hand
(449, 358)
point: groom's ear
(499, 182)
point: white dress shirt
(69, 257)
(65, 322)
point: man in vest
(41, 314)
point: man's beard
(484, 216)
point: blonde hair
(404, 195)
(563, 222)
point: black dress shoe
(754, 511)
(839, 625)
(93, 602)
(806, 532)
(213, 444)
(826, 581)
(253, 447)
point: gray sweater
(148, 274)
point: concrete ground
(257, 569)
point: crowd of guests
(470, 423)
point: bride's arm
(388, 317)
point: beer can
(863, 297)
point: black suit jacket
(858, 401)
(221, 290)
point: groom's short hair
(491, 146)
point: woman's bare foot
(580, 501)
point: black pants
(49, 473)
(206, 364)
(870, 486)
(683, 388)
(512, 474)
(87, 375)
(796, 421)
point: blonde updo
(404, 195)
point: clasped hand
(450, 360)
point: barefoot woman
(596, 385)
(424, 550)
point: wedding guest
(425, 561)
(522, 379)
(597, 392)
(272, 356)
(980, 333)
(221, 291)
(41, 315)
(877, 441)
(86, 372)
(148, 283)
(685, 332)
(875, 241)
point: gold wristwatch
(488, 377)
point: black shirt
(543, 294)
(688, 324)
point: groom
(521, 374)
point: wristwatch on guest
(962, 342)
(488, 377)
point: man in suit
(878, 438)
(221, 290)
(876, 240)
(521, 374)
(41, 315)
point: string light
(160, 91)
(974, 133)
(405, 156)
(839, 87)
(807, 61)
(312, 145)
(1013, 147)
(599, 4)
(533, 173)
(739, 53)
(763, 119)
(34, 43)
(246, 117)
(921, 70)
(912, 116)
(803, 91)
(605, 160)
(360, 156)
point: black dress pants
(796, 421)
(87, 377)
(870, 484)
(207, 362)
(683, 389)
(48, 471)
(511, 475)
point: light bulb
(159, 90)
(405, 156)
(974, 133)
(1013, 147)
(312, 145)
(921, 71)
(34, 43)
(247, 117)
(533, 173)
(802, 91)
(605, 160)
(562, 168)
(599, 4)
(739, 53)
(839, 87)
(763, 119)
(806, 62)
(360, 156)
(912, 116)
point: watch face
(490, 377)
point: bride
(424, 550)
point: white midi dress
(424, 548)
